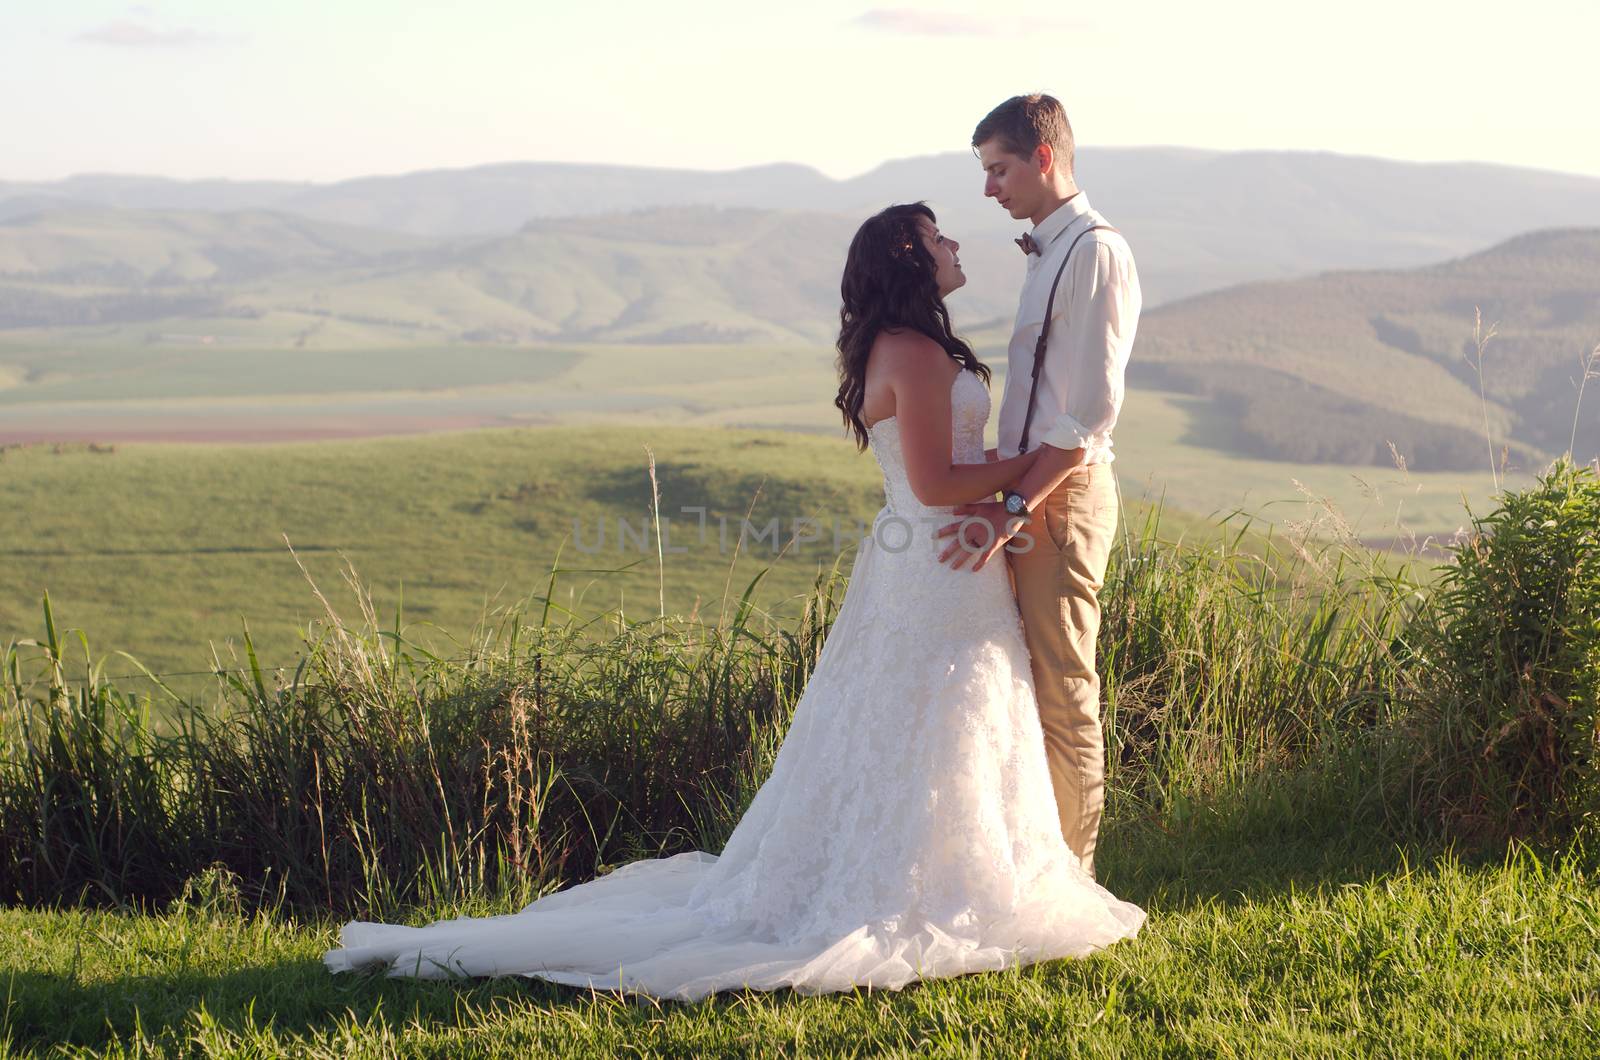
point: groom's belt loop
(1044, 331)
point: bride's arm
(922, 408)
(1005, 474)
(972, 483)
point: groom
(1074, 329)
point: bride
(908, 829)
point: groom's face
(1015, 182)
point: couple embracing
(934, 807)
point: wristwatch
(1016, 504)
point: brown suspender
(1044, 331)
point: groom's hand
(983, 530)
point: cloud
(927, 23)
(910, 21)
(123, 33)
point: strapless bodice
(969, 414)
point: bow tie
(1027, 244)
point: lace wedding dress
(908, 829)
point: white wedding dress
(908, 829)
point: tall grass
(1225, 664)
(1507, 737)
(380, 776)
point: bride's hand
(969, 542)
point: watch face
(1014, 504)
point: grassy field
(1308, 945)
(102, 375)
(1289, 743)
(160, 550)
(104, 386)
(1288, 750)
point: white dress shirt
(1095, 315)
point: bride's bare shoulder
(905, 350)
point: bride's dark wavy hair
(890, 281)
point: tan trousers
(1058, 583)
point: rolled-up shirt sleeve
(1091, 334)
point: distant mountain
(1198, 220)
(658, 276)
(1335, 367)
(478, 201)
(104, 246)
(499, 199)
(92, 266)
(690, 274)
(153, 193)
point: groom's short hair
(1022, 123)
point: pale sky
(294, 89)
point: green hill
(101, 247)
(158, 550)
(687, 275)
(670, 276)
(1333, 368)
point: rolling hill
(688, 274)
(1200, 220)
(102, 304)
(1333, 368)
(682, 275)
(1328, 369)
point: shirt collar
(1045, 232)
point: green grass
(565, 741)
(1387, 507)
(1254, 947)
(1259, 724)
(159, 549)
(1180, 445)
(162, 550)
(202, 372)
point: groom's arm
(1094, 339)
(1096, 336)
